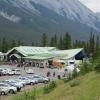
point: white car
(4, 71)
(30, 71)
(11, 89)
(16, 71)
(4, 90)
(10, 72)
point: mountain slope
(98, 15)
(25, 19)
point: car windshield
(3, 85)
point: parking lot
(23, 72)
(37, 71)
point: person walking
(54, 74)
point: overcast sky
(92, 4)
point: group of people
(49, 74)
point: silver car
(11, 89)
(4, 90)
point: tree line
(91, 46)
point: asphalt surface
(37, 71)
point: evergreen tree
(13, 44)
(60, 44)
(92, 44)
(97, 47)
(32, 43)
(4, 45)
(53, 41)
(67, 41)
(43, 40)
(0, 46)
(22, 44)
(19, 43)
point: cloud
(9, 17)
(92, 4)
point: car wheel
(31, 83)
(3, 93)
(45, 82)
(11, 91)
(18, 89)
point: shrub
(85, 68)
(66, 80)
(48, 88)
(97, 67)
(74, 83)
(52, 85)
(75, 73)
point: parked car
(41, 79)
(11, 89)
(6, 71)
(16, 71)
(3, 71)
(20, 81)
(30, 71)
(31, 78)
(15, 84)
(29, 81)
(9, 71)
(4, 90)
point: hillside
(88, 89)
(26, 19)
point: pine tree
(92, 44)
(32, 43)
(97, 47)
(60, 44)
(43, 40)
(19, 43)
(4, 45)
(0, 46)
(13, 44)
(67, 41)
(53, 41)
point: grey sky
(92, 4)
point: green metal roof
(66, 54)
(41, 53)
(30, 51)
(37, 57)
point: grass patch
(86, 87)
